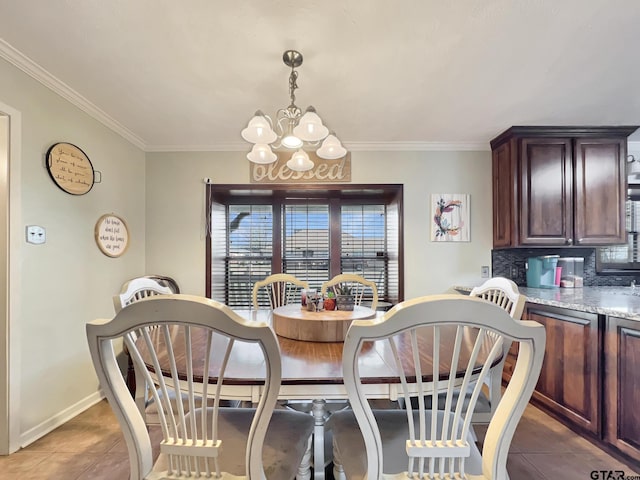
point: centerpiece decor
(345, 300)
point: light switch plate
(484, 271)
(36, 235)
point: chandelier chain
(293, 84)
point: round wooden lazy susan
(293, 321)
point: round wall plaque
(112, 235)
(70, 168)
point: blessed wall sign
(323, 171)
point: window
(363, 249)
(305, 242)
(313, 234)
(616, 258)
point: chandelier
(291, 130)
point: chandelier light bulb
(300, 162)
(261, 153)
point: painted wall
(175, 215)
(67, 281)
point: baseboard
(60, 418)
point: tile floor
(91, 447)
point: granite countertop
(615, 301)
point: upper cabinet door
(546, 200)
(600, 191)
(503, 191)
(568, 186)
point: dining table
(312, 370)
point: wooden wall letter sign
(323, 171)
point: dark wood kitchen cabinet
(590, 377)
(622, 385)
(570, 381)
(559, 186)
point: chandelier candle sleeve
(291, 130)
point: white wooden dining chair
(504, 293)
(165, 281)
(362, 289)
(210, 442)
(138, 289)
(432, 443)
(279, 288)
(134, 290)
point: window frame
(333, 194)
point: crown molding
(351, 146)
(35, 71)
(218, 147)
(418, 146)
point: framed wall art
(112, 235)
(450, 217)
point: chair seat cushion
(349, 447)
(284, 446)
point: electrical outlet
(484, 271)
(514, 271)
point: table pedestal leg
(319, 411)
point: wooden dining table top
(319, 363)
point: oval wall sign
(70, 168)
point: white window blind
(305, 245)
(363, 248)
(315, 238)
(249, 249)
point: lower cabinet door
(622, 385)
(569, 383)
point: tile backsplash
(510, 263)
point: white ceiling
(188, 75)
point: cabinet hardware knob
(569, 241)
